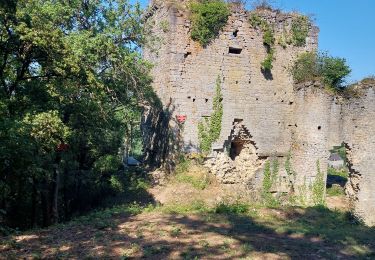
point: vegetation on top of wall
(262, 5)
(259, 22)
(208, 17)
(300, 30)
(210, 128)
(310, 66)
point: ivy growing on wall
(269, 179)
(318, 187)
(209, 129)
(208, 17)
(291, 173)
(259, 22)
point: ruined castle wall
(359, 135)
(189, 73)
(305, 122)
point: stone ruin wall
(279, 119)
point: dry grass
(193, 224)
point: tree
(71, 79)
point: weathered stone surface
(280, 118)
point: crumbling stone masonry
(265, 116)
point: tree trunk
(34, 205)
(55, 196)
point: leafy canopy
(70, 74)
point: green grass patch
(235, 208)
(197, 206)
(198, 180)
(335, 190)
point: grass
(196, 229)
(335, 190)
(198, 179)
(336, 180)
(228, 230)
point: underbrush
(190, 172)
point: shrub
(267, 63)
(305, 67)
(331, 70)
(334, 70)
(300, 30)
(208, 17)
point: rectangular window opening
(234, 50)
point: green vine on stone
(259, 22)
(269, 179)
(291, 173)
(210, 128)
(318, 187)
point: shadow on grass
(295, 233)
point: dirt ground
(157, 233)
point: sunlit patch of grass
(232, 208)
(335, 190)
(197, 206)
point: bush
(311, 66)
(334, 70)
(300, 30)
(208, 17)
(305, 67)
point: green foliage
(208, 17)
(197, 206)
(210, 128)
(259, 22)
(291, 173)
(267, 63)
(71, 76)
(318, 187)
(335, 190)
(311, 66)
(333, 70)
(300, 30)
(343, 173)
(165, 26)
(231, 208)
(305, 68)
(268, 37)
(198, 181)
(269, 180)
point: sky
(347, 29)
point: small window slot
(233, 50)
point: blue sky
(347, 29)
